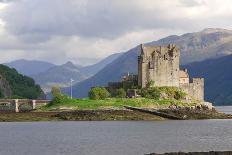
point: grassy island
(100, 106)
(111, 103)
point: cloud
(62, 30)
(41, 19)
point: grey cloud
(7, 1)
(38, 20)
(61, 30)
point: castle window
(151, 65)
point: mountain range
(29, 67)
(206, 54)
(47, 75)
(197, 46)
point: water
(114, 138)
(225, 109)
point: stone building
(183, 76)
(161, 64)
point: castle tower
(159, 64)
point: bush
(56, 92)
(152, 93)
(179, 95)
(57, 95)
(121, 93)
(163, 93)
(98, 93)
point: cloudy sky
(86, 30)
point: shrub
(121, 93)
(152, 93)
(57, 95)
(179, 95)
(98, 93)
(163, 93)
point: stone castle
(161, 64)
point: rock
(207, 105)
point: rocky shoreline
(197, 153)
(80, 115)
(185, 113)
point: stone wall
(195, 88)
(159, 64)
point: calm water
(225, 109)
(114, 138)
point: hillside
(93, 69)
(59, 75)
(15, 85)
(218, 78)
(209, 43)
(198, 46)
(29, 67)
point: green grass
(110, 103)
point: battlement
(166, 52)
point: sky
(84, 31)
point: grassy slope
(111, 103)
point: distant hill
(59, 75)
(218, 78)
(93, 69)
(197, 46)
(29, 67)
(15, 85)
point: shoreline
(109, 115)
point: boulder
(207, 105)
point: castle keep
(161, 64)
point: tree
(57, 95)
(98, 93)
(56, 92)
(121, 93)
(152, 93)
(21, 86)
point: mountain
(93, 69)
(29, 67)
(197, 46)
(15, 85)
(59, 75)
(218, 78)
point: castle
(161, 64)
